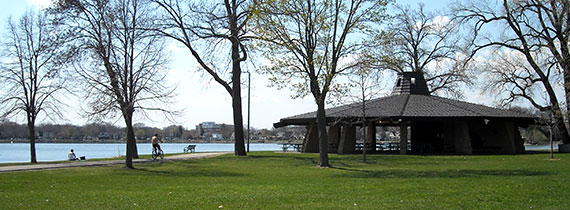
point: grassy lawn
(267, 180)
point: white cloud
(441, 21)
(437, 23)
(40, 3)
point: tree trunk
(560, 120)
(239, 144)
(364, 148)
(323, 138)
(32, 133)
(364, 126)
(131, 142)
(558, 116)
(565, 65)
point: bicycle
(157, 153)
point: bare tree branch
(418, 40)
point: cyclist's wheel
(161, 154)
(154, 154)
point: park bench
(285, 147)
(295, 147)
(190, 148)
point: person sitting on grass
(155, 141)
(71, 156)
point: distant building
(211, 130)
(209, 125)
(217, 136)
(104, 135)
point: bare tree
(307, 41)
(30, 74)
(538, 31)
(218, 27)
(123, 65)
(420, 41)
(368, 81)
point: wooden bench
(295, 147)
(285, 147)
(190, 148)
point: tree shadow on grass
(300, 161)
(355, 173)
(190, 172)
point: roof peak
(410, 83)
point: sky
(201, 99)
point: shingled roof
(409, 102)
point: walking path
(69, 164)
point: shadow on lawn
(299, 159)
(192, 172)
(355, 173)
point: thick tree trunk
(560, 124)
(565, 65)
(239, 144)
(323, 138)
(562, 129)
(131, 141)
(32, 133)
(559, 118)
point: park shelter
(428, 124)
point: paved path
(42, 166)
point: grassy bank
(267, 180)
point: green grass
(267, 180)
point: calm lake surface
(20, 152)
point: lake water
(539, 147)
(20, 152)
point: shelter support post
(449, 137)
(519, 141)
(334, 137)
(347, 142)
(462, 139)
(403, 137)
(371, 135)
(311, 142)
(510, 147)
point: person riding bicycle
(155, 141)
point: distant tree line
(92, 131)
(105, 131)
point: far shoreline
(120, 141)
